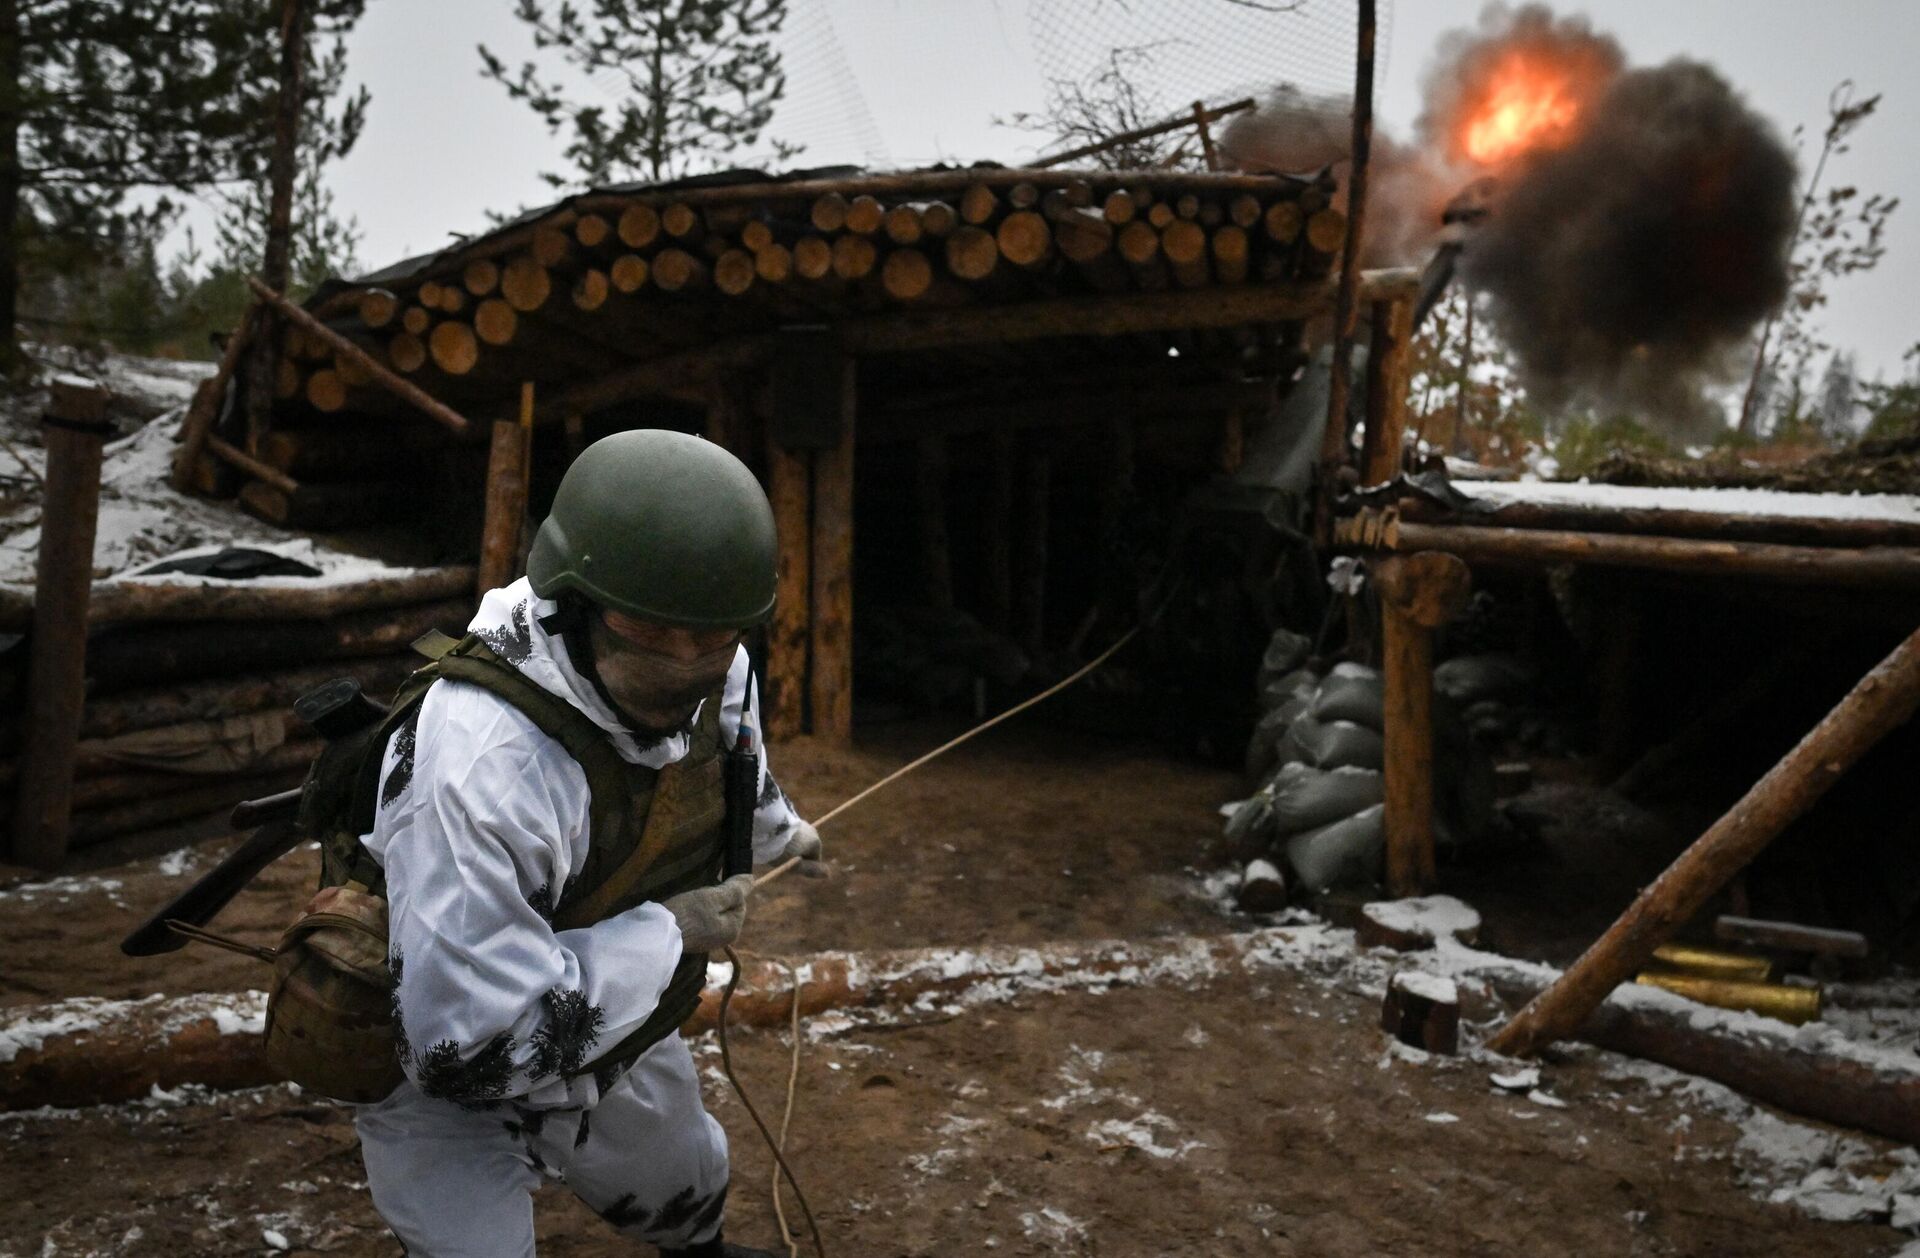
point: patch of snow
(1546, 1099)
(1138, 1133)
(1442, 1118)
(1524, 1080)
(1774, 503)
(1434, 987)
(177, 862)
(1053, 1227)
(1429, 917)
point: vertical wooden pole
(830, 686)
(1418, 594)
(280, 177)
(1034, 508)
(1389, 376)
(999, 526)
(1884, 699)
(1333, 442)
(76, 429)
(930, 494)
(790, 490)
(506, 495)
(1206, 135)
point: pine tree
(701, 77)
(108, 108)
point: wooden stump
(1423, 1011)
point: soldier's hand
(804, 847)
(711, 918)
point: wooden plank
(506, 511)
(790, 490)
(831, 682)
(1883, 566)
(1418, 594)
(76, 430)
(1389, 377)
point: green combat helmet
(660, 525)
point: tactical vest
(653, 833)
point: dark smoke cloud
(1299, 133)
(1627, 267)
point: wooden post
(789, 489)
(727, 420)
(1883, 700)
(506, 495)
(1206, 136)
(1389, 376)
(280, 176)
(1034, 506)
(930, 494)
(76, 429)
(830, 685)
(1333, 442)
(1418, 594)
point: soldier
(532, 1046)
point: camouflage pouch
(330, 1013)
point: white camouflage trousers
(458, 1183)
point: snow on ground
(1779, 503)
(142, 518)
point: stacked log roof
(643, 289)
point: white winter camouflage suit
(482, 820)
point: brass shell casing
(1775, 1000)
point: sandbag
(1333, 744)
(1302, 797)
(1264, 747)
(1286, 651)
(1347, 853)
(1348, 697)
(1249, 831)
(1470, 678)
(1301, 681)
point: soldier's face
(659, 673)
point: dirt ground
(1253, 1114)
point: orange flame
(1527, 103)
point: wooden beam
(76, 431)
(831, 681)
(790, 490)
(1882, 701)
(1888, 566)
(897, 332)
(1389, 377)
(506, 511)
(1667, 522)
(1418, 594)
(341, 346)
(1199, 116)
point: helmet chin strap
(570, 623)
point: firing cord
(733, 981)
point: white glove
(804, 846)
(710, 918)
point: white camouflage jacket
(482, 819)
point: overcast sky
(443, 146)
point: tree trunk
(274, 260)
(9, 180)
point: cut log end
(628, 273)
(454, 348)
(1422, 1011)
(639, 225)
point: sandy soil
(1246, 1117)
(1250, 1115)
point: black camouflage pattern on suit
(401, 775)
(475, 1083)
(512, 643)
(562, 1046)
(396, 966)
(685, 1214)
